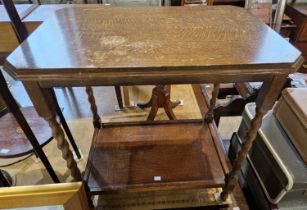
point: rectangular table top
(79, 41)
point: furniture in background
(241, 94)
(160, 97)
(298, 13)
(70, 196)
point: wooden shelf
(160, 157)
(13, 142)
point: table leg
(65, 126)
(91, 99)
(5, 179)
(215, 93)
(160, 98)
(15, 110)
(154, 107)
(45, 106)
(119, 97)
(268, 94)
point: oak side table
(83, 46)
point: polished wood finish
(71, 196)
(120, 163)
(171, 45)
(148, 51)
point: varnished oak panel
(129, 157)
(153, 42)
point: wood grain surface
(78, 41)
(152, 157)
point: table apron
(153, 80)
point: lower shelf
(13, 142)
(148, 158)
(163, 200)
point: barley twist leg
(209, 115)
(63, 145)
(91, 99)
(232, 176)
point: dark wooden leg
(91, 99)
(5, 179)
(66, 128)
(209, 115)
(14, 108)
(267, 96)
(154, 109)
(168, 107)
(160, 98)
(46, 108)
(119, 97)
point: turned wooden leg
(45, 106)
(209, 115)
(65, 126)
(267, 96)
(231, 178)
(63, 145)
(91, 99)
